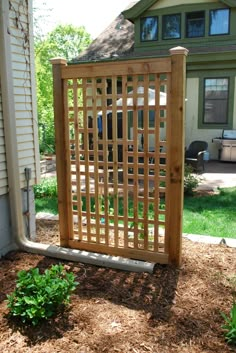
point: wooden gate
(119, 150)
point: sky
(94, 15)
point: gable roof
(138, 8)
(143, 5)
(230, 3)
(117, 40)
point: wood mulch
(169, 311)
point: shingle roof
(115, 41)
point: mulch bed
(169, 311)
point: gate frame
(176, 153)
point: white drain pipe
(15, 195)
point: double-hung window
(216, 97)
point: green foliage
(47, 188)
(230, 325)
(191, 181)
(47, 205)
(38, 296)
(64, 41)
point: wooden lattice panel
(116, 135)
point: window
(216, 94)
(195, 24)
(219, 22)
(171, 26)
(149, 28)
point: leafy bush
(47, 188)
(191, 181)
(230, 325)
(38, 296)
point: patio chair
(194, 155)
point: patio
(218, 174)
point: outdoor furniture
(194, 155)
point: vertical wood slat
(135, 162)
(176, 153)
(105, 161)
(86, 158)
(98, 193)
(125, 161)
(157, 162)
(77, 158)
(146, 161)
(115, 159)
(62, 150)
(168, 195)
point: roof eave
(230, 3)
(138, 9)
(143, 5)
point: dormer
(161, 24)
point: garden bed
(170, 311)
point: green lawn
(211, 215)
(208, 215)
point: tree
(64, 41)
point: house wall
(192, 113)
(3, 166)
(18, 120)
(21, 44)
(199, 65)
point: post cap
(56, 61)
(178, 50)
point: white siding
(26, 127)
(3, 165)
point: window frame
(201, 101)
(142, 23)
(204, 24)
(219, 34)
(204, 100)
(180, 26)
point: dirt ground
(170, 311)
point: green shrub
(38, 296)
(191, 181)
(230, 325)
(47, 188)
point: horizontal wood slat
(131, 67)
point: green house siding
(210, 56)
(183, 40)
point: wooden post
(176, 153)
(62, 154)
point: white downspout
(15, 196)
(10, 123)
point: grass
(47, 204)
(208, 215)
(211, 215)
